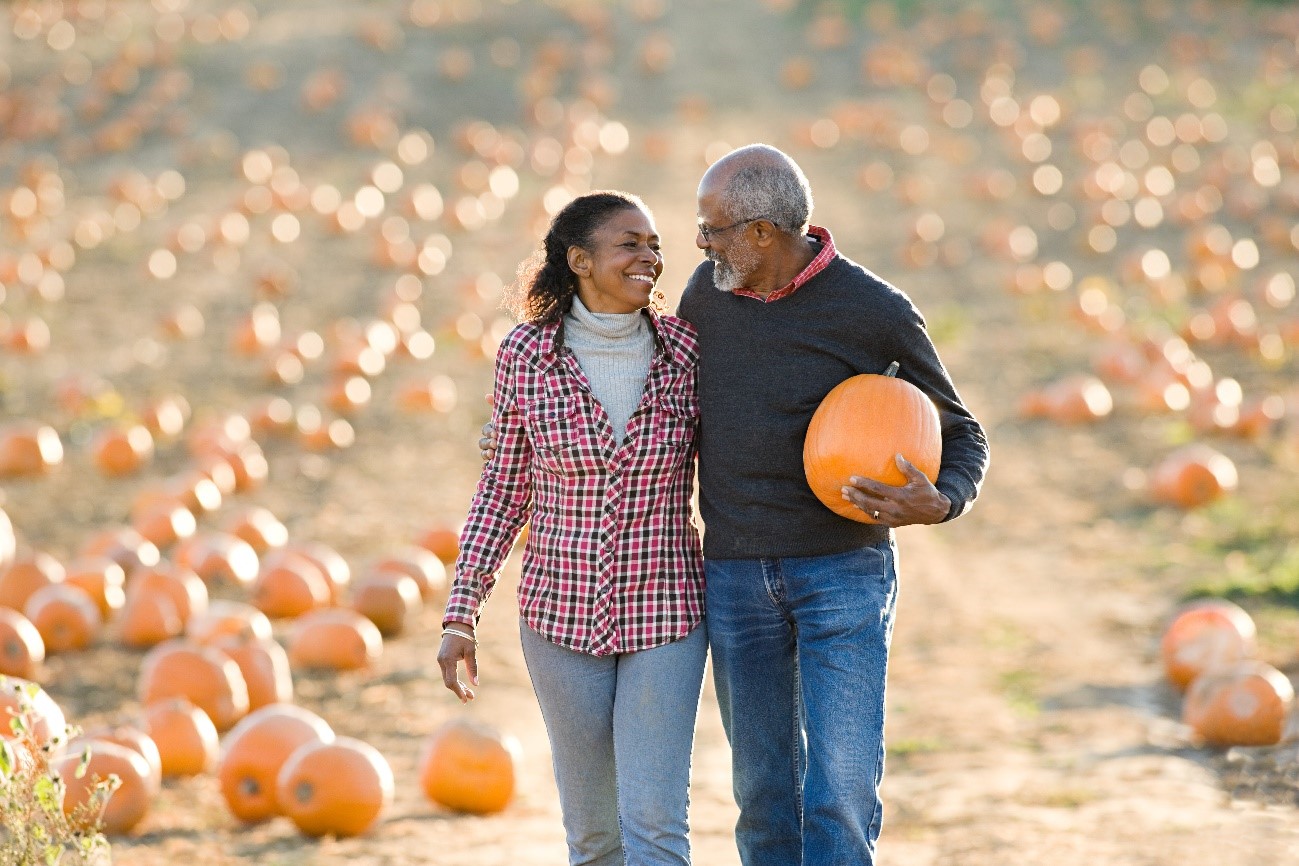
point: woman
(595, 413)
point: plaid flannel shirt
(612, 562)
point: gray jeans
(621, 730)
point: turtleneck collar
(610, 326)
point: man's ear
(579, 261)
(765, 231)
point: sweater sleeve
(965, 444)
(501, 503)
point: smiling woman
(596, 413)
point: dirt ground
(1028, 719)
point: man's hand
(454, 649)
(917, 501)
(487, 444)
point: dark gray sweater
(763, 370)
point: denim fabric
(800, 651)
(621, 730)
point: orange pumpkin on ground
(27, 573)
(340, 788)
(218, 556)
(186, 589)
(1192, 476)
(66, 616)
(103, 579)
(858, 429)
(469, 767)
(126, 806)
(123, 545)
(205, 676)
(443, 542)
(289, 585)
(22, 648)
(334, 638)
(188, 742)
(1204, 635)
(226, 617)
(389, 599)
(260, 528)
(423, 566)
(43, 716)
(1243, 704)
(120, 451)
(337, 572)
(264, 664)
(131, 737)
(254, 751)
(29, 449)
(147, 619)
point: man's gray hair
(775, 189)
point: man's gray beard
(727, 277)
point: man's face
(725, 241)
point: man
(800, 601)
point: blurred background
(279, 233)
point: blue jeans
(621, 730)
(800, 652)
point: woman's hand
(457, 647)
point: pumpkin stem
(892, 370)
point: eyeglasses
(709, 232)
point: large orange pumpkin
(22, 648)
(126, 806)
(188, 742)
(254, 751)
(858, 429)
(469, 767)
(340, 788)
(1204, 635)
(205, 676)
(1244, 704)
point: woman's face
(619, 271)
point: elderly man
(800, 601)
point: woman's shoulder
(524, 339)
(680, 338)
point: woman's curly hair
(544, 287)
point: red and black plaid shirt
(613, 562)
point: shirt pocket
(557, 432)
(677, 420)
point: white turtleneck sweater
(614, 351)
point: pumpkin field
(252, 258)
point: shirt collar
(814, 267)
(551, 337)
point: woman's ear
(579, 262)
